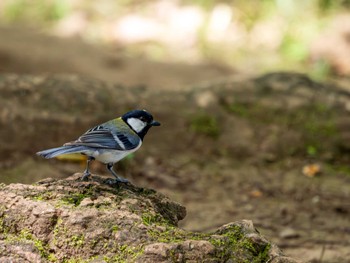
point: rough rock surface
(73, 221)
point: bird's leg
(118, 179)
(87, 170)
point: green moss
(125, 254)
(26, 236)
(115, 229)
(206, 125)
(172, 234)
(73, 199)
(52, 258)
(172, 256)
(263, 253)
(130, 253)
(168, 236)
(146, 192)
(230, 245)
(38, 198)
(76, 260)
(258, 251)
(233, 244)
(149, 219)
(77, 240)
(61, 235)
(9, 225)
(47, 195)
(58, 226)
(76, 198)
(3, 227)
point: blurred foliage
(258, 36)
(34, 12)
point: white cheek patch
(136, 124)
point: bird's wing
(107, 138)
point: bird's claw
(85, 177)
(122, 180)
(117, 181)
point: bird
(109, 142)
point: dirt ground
(223, 151)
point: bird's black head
(140, 121)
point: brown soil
(230, 151)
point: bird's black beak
(155, 123)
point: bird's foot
(118, 180)
(85, 177)
(122, 180)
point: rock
(68, 220)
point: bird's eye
(143, 119)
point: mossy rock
(73, 221)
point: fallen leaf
(311, 170)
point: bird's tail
(50, 153)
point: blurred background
(253, 97)
(249, 36)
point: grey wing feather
(105, 138)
